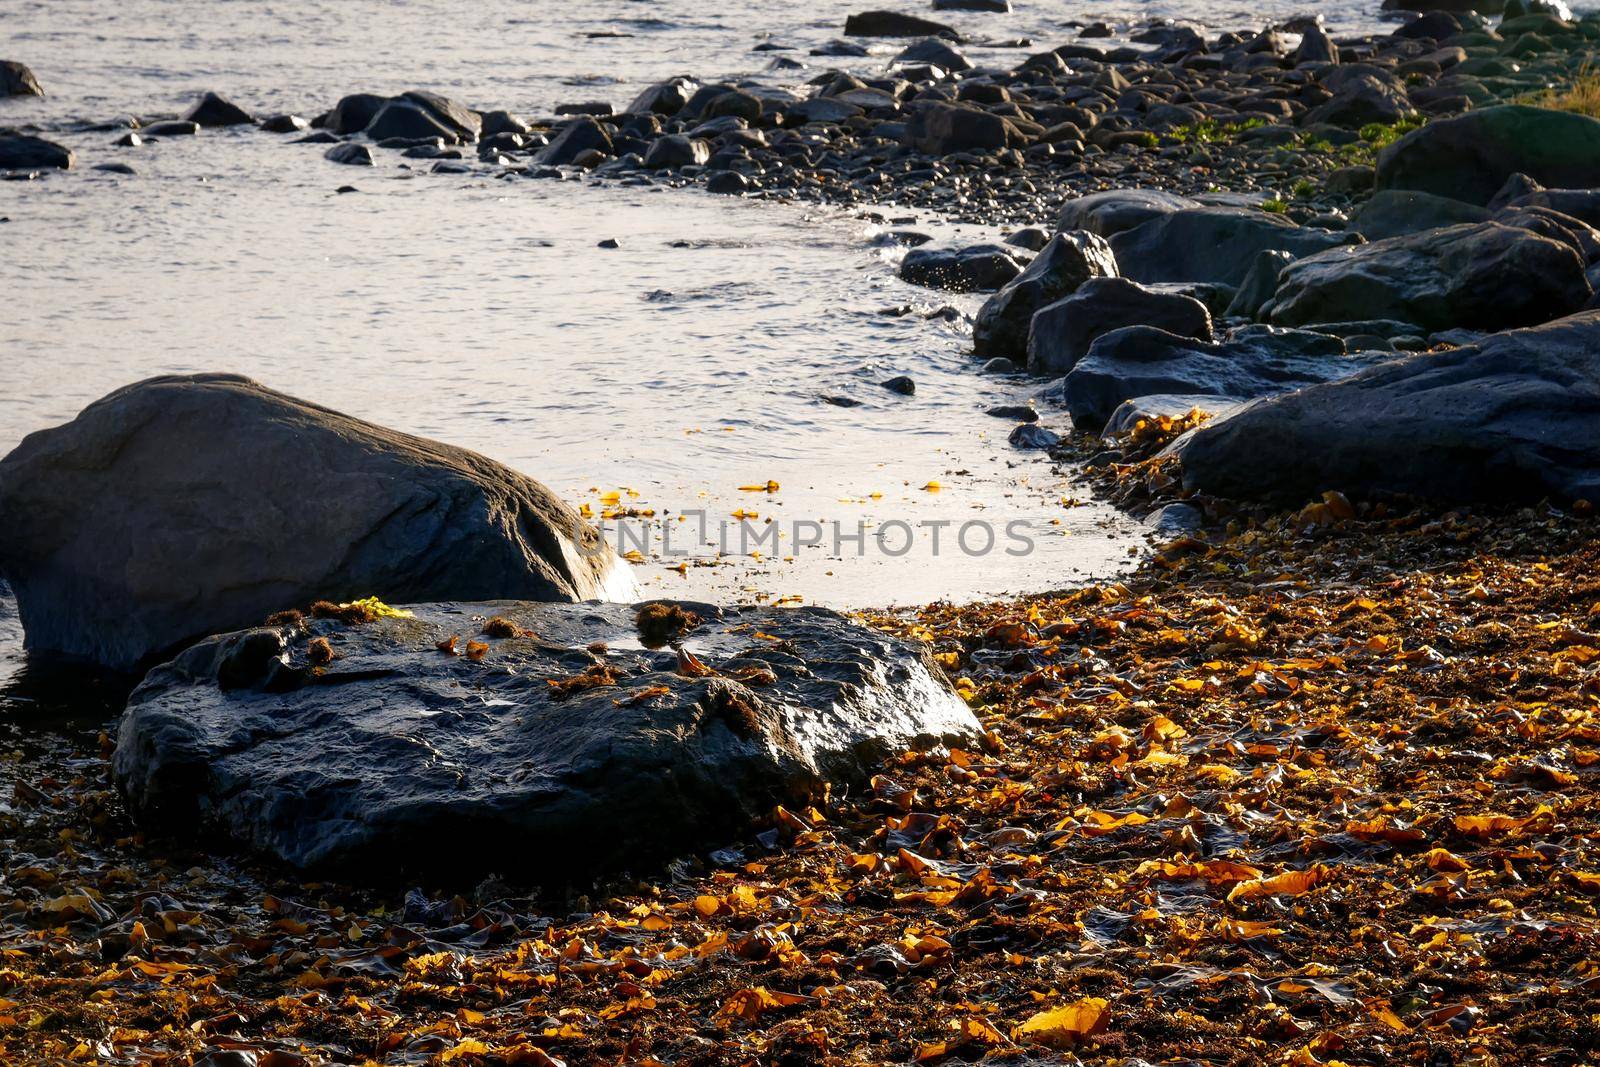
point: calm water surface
(664, 375)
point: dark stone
(941, 129)
(1397, 212)
(1512, 418)
(285, 124)
(1030, 435)
(213, 109)
(819, 109)
(728, 183)
(497, 122)
(1211, 244)
(172, 128)
(115, 168)
(17, 80)
(189, 505)
(1251, 362)
(397, 761)
(1260, 285)
(973, 268)
(402, 118)
(1061, 333)
(939, 53)
(463, 120)
(19, 151)
(580, 135)
(1068, 261)
(1315, 47)
(353, 113)
(676, 150)
(1112, 212)
(1484, 275)
(894, 24)
(1471, 156)
(597, 108)
(351, 153)
(996, 7)
(664, 98)
(1360, 103)
(900, 384)
(1014, 413)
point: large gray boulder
(1515, 417)
(1116, 210)
(1397, 212)
(566, 744)
(1069, 260)
(21, 151)
(963, 269)
(1469, 157)
(1061, 333)
(195, 504)
(1211, 244)
(17, 80)
(1477, 275)
(1251, 362)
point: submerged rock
(214, 109)
(351, 153)
(17, 80)
(193, 504)
(19, 151)
(1469, 157)
(971, 268)
(1061, 333)
(1475, 275)
(1514, 417)
(1067, 262)
(559, 749)
(1251, 362)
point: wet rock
(189, 505)
(1514, 417)
(728, 183)
(351, 154)
(213, 109)
(1397, 212)
(939, 53)
(942, 129)
(819, 109)
(465, 122)
(997, 7)
(404, 119)
(1028, 435)
(319, 137)
(353, 113)
(1259, 286)
(116, 168)
(895, 24)
(129, 140)
(675, 150)
(19, 151)
(1522, 191)
(1477, 275)
(1516, 9)
(1117, 210)
(971, 268)
(1471, 156)
(395, 760)
(1069, 260)
(172, 128)
(597, 108)
(285, 124)
(497, 122)
(664, 98)
(1158, 406)
(1013, 413)
(1211, 244)
(581, 135)
(1033, 238)
(998, 365)
(1061, 333)
(1315, 47)
(17, 80)
(1251, 362)
(901, 385)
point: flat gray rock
(564, 750)
(190, 505)
(1515, 417)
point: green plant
(1277, 207)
